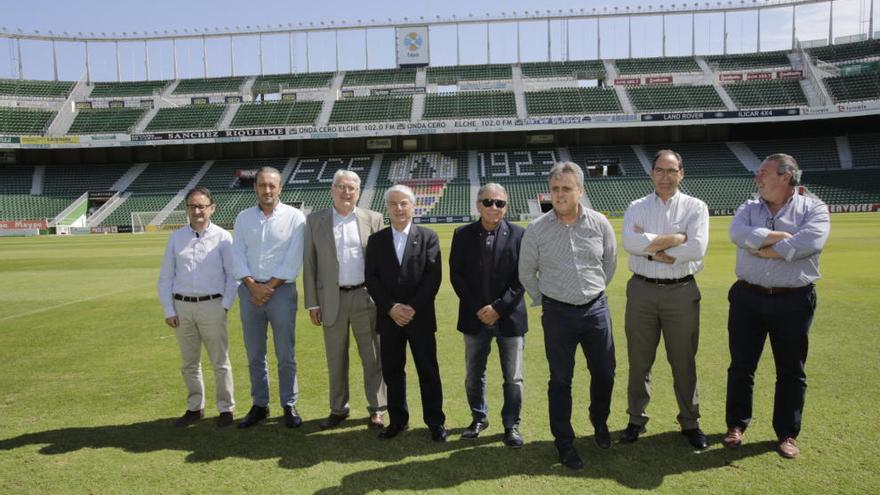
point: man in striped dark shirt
(568, 257)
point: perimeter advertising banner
(412, 46)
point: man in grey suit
(336, 295)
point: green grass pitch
(89, 384)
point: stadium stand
(561, 101)
(454, 74)
(73, 180)
(865, 149)
(27, 207)
(20, 88)
(816, 153)
(97, 120)
(24, 120)
(674, 98)
(623, 156)
(275, 83)
(578, 69)
(137, 202)
(379, 77)
(844, 186)
(189, 117)
(704, 159)
(371, 109)
(720, 192)
(16, 179)
(615, 195)
(847, 51)
(470, 104)
(748, 61)
(276, 113)
(430, 175)
(668, 65)
(127, 88)
(767, 94)
(210, 85)
(165, 177)
(854, 88)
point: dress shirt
(570, 263)
(349, 252)
(681, 214)
(271, 246)
(197, 265)
(399, 238)
(806, 219)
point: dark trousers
(566, 327)
(786, 318)
(424, 351)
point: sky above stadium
(118, 16)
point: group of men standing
(381, 282)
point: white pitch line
(69, 303)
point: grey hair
(661, 153)
(401, 188)
(567, 168)
(347, 174)
(268, 170)
(491, 186)
(786, 164)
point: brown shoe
(376, 421)
(224, 419)
(734, 437)
(788, 448)
(189, 417)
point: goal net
(146, 221)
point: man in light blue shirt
(268, 249)
(779, 238)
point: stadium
(85, 156)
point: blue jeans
(280, 311)
(566, 327)
(786, 318)
(510, 349)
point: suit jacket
(320, 265)
(466, 274)
(415, 281)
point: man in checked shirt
(666, 234)
(196, 288)
(567, 259)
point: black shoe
(473, 431)
(438, 433)
(602, 436)
(570, 459)
(512, 438)
(696, 438)
(224, 419)
(291, 417)
(332, 421)
(392, 430)
(631, 433)
(189, 417)
(254, 416)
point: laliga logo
(413, 41)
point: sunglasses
(499, 203)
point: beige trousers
(204, 322)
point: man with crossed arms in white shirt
(196, 288)
(666, 234)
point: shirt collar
(339, 216)
(207, 229)
(405, 231)
(671, 199)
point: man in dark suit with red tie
(403, 274)
(483, 268)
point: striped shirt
(681, 214)
(569, 263)
(806, 219)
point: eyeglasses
(345, 188)
(499, 203)
(199, 207)
(666, 171)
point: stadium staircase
(181, 194)
(229, 114)
(247, 87)
(612, 74)
(418, 108)
(147, 117)
(844, 152)
(745, 155)
(518, 92)
(644, 158)
(368, 189)
(330, 99)
(37, 180)
(66, 114)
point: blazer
(415, 281)
(320, 265)
(465, 272)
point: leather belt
(353, 287)
(772, 291)
(569, 305)
(196, 299)
(664, 281)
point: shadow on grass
(642, 465)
